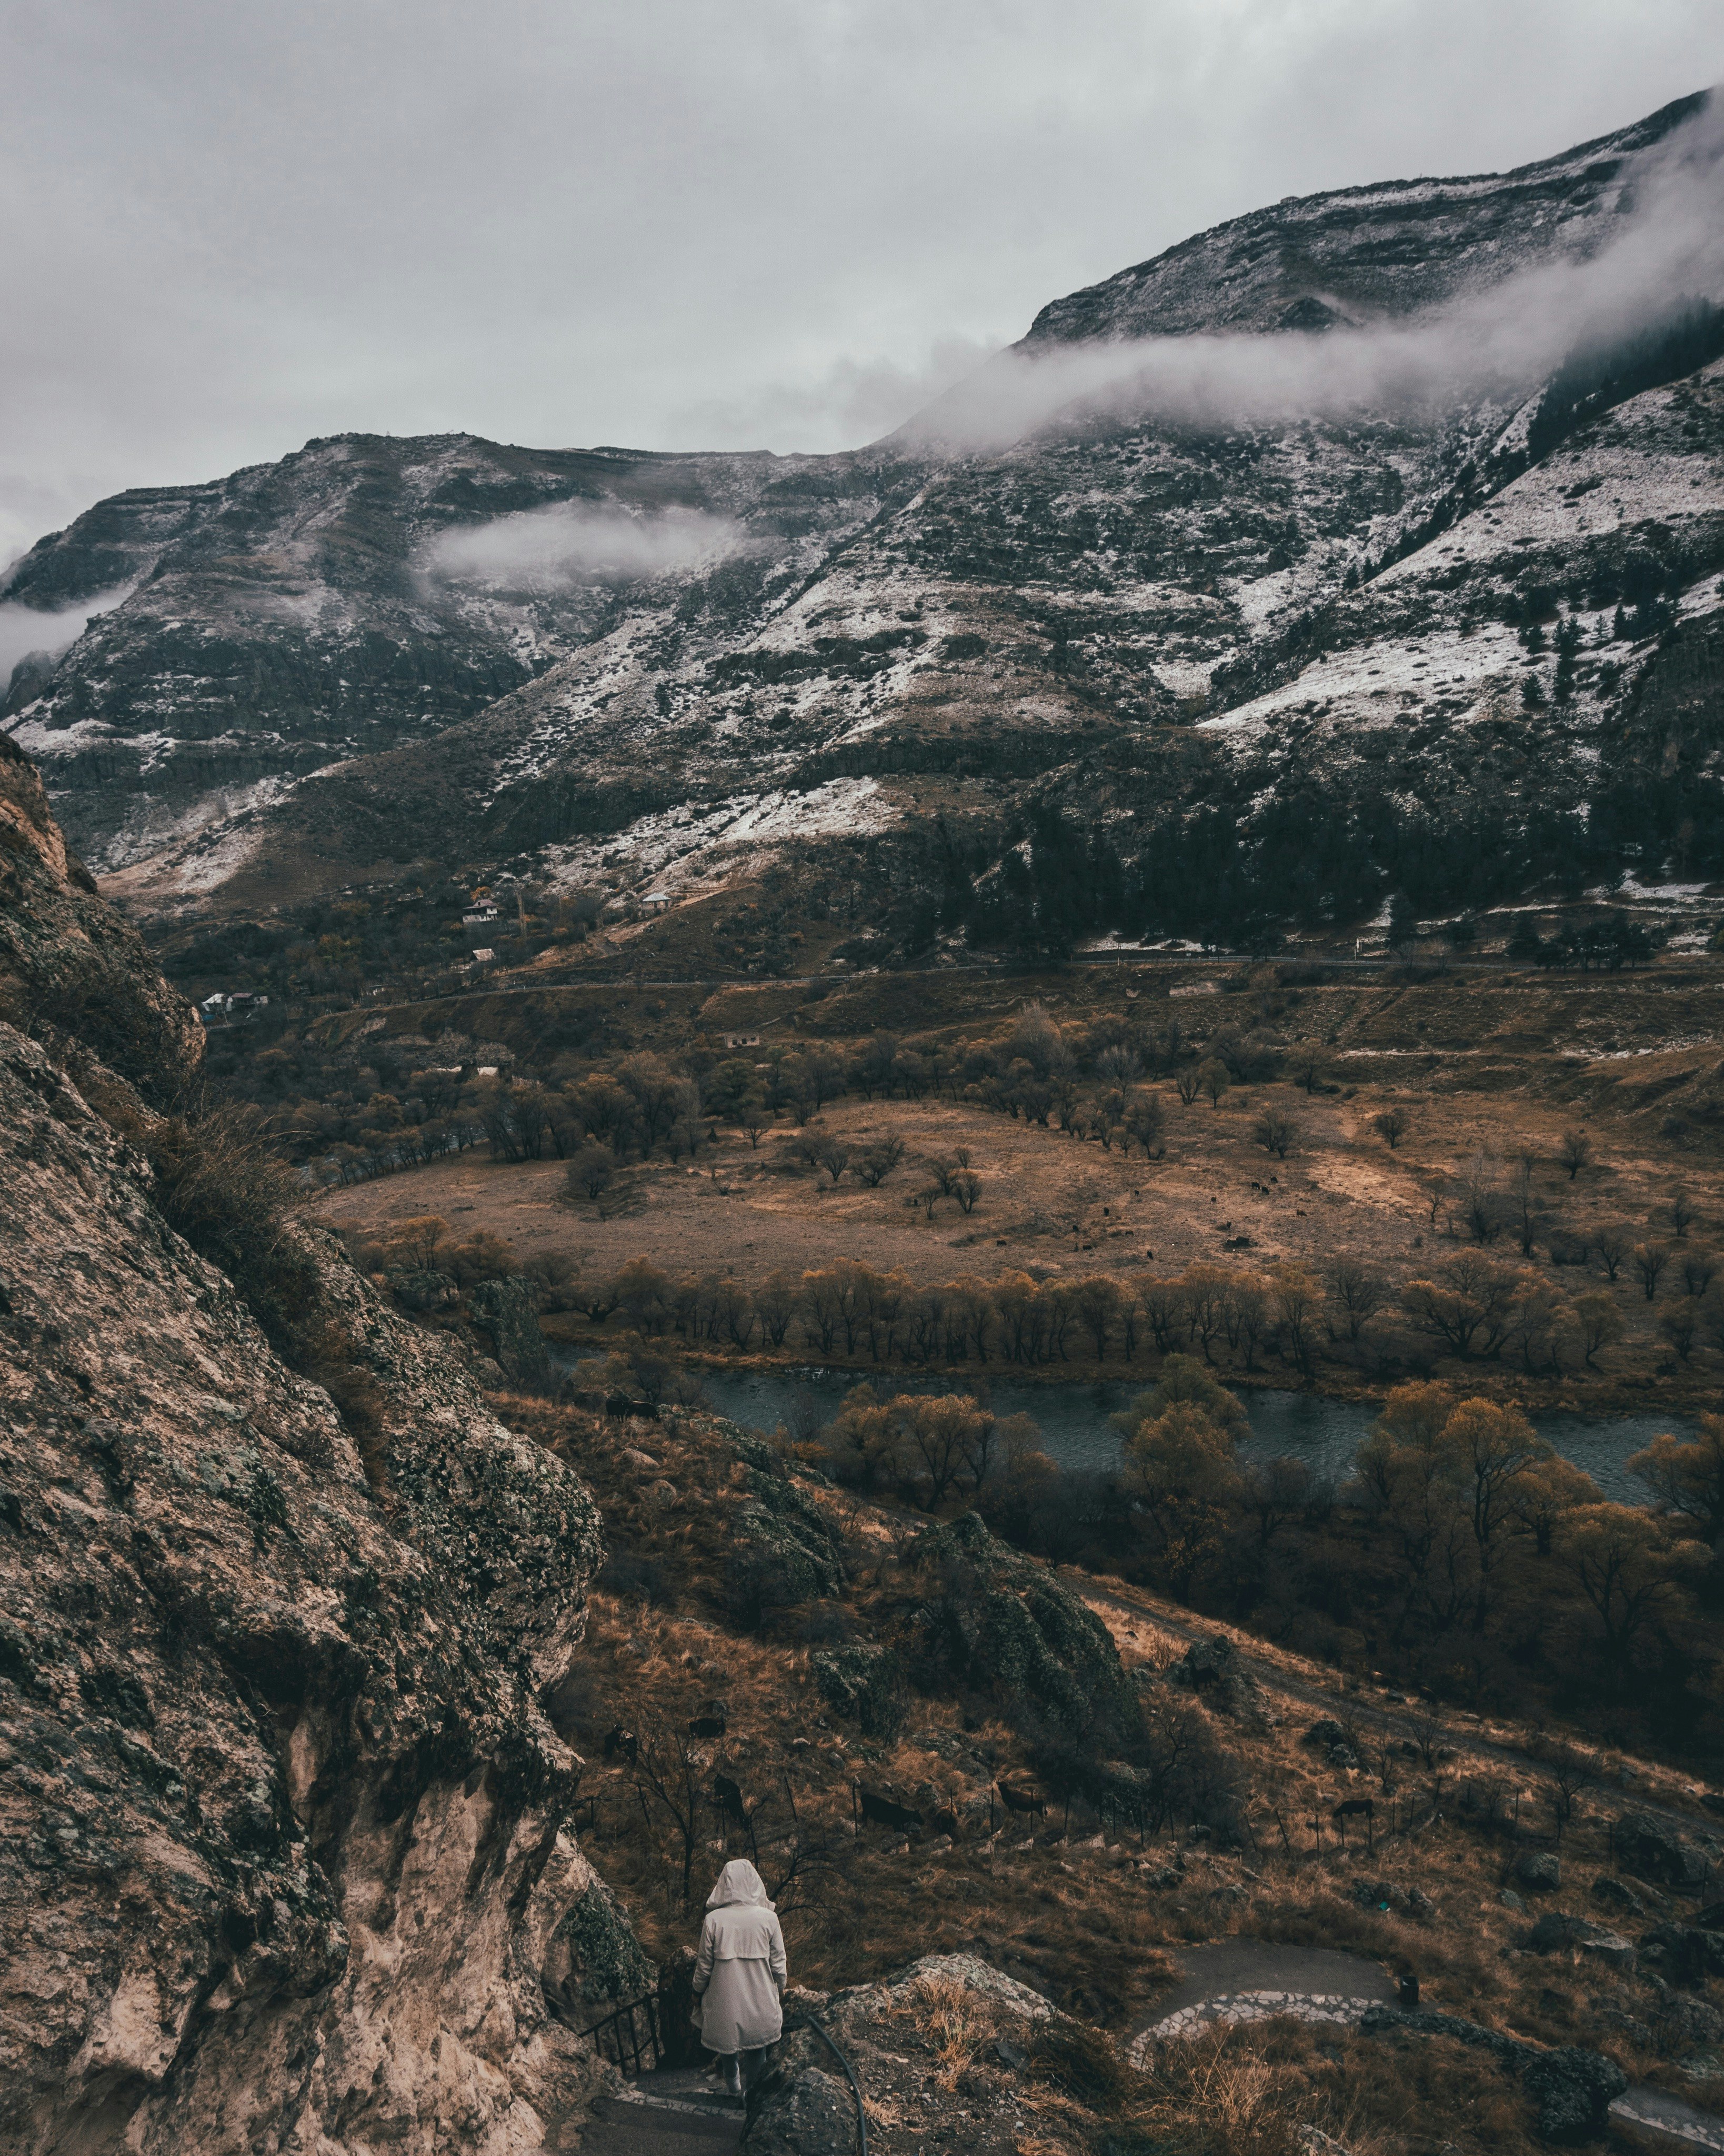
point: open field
(1486, 1070)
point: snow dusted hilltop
(1368, 542)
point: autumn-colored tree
(1687, 1475)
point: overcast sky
(230, 225)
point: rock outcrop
(285, 1853)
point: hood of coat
(739, 1881)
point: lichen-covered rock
(1649, 1849)
(1540, 1870)
(70, 967)
(786, 1544)
(998, 1619)
(502, 1311)
(862, 1684)
(283, 1851)
(594, 1955)
(1573, 2090)
(806, 2112)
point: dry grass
(1081, 1922)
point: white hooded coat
(740, 1970)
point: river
(1073, 1420)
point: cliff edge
(284, 1859)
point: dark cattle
(618, 1739)
(886, 1811)
(1029, 1801)
(1355, 1808)
(727, 1798)
(707, 1725)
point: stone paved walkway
(1236, 1980)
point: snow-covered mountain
(1368, 541)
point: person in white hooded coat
(740, 1972)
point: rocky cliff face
(284, 1859)
(1185, 626)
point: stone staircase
(680, 2111)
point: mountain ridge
(541, 657)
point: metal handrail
(633, 2050)
(809, 2021)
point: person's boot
(733, 2076)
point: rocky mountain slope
(1366, 543)
(286, 1859)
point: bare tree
(1611, 1242)
(1188, 1083)
(879, 1160)
(1700, 1268)
(1305, 1067)
(591, 1171)
(833, 1157)
(1390, 1126)
(1481, 1205)
(1521, 1200)
(1679, 1324)
(1275, 1132)
(966, 1188)
(1680, 1214)
(1357, 1292)
(1574, 1771)
(1213, 1075)
(1600, 1322)
(667, 1770)
(1575, 1152)
(1650, 1259)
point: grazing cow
(1355, 1808)
(1030, 1802)
(727, 1798)
(618, 1739)
(885, 1811)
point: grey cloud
(1501, 340)
(230, 229)
(579, 543)
(27, 630)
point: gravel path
(1250, 1980)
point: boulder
(1612, 1950)
(1651, 1850)
(1540, 1871)
(1388, 1894)
(995, 1620)
(862, 1684)
(414, 1289)
(1611, 1893)
(502, 1311)
(1323, 1736)
(1554, 1933)
(1682, 2026)
(1573, 2089)
(1683, 1953)
(802, 2112)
